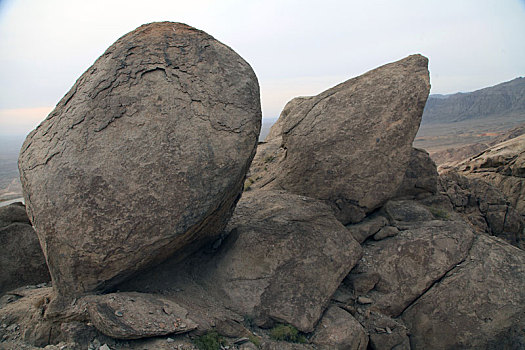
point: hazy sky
(295, 47)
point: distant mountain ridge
(505, 100)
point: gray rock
(388, 231)
(484, 206)
(283, 345)
(338, 329)
(411, 262)
(284, 259)
(364, 300)
(141, 315)
(144, 158)
(276, 131)
(385, 333)
(15, 212)
(21, 259)
(405, 212)
(362, 283)
(368, 227)
(503, 166)
(421, 176)
(270, 151)
(480, 304)
(376, 116)
(248, 346)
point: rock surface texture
(335, 145)
(143, 158)
(137, 315)
(480, 304)
(345, 236)
(21, 258)
(284, 258)
(503, 166)
(484, 206)
(338, 329)
(412, 261)
(420, 177)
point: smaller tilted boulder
(350, 145)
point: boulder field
(345, 236)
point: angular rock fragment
(144, 158)
(338, 329)
(368, 227)
(503, 166)
(484, 206)
(285, 258)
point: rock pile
(345, 236)
(503, 166)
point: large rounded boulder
(143, 158)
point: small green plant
(248, 183)
(439, 213)
(287, 333)
(269, 159)
(255, 340)
(209, 341)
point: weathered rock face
(484, 206)
(406, 265)
(144, 156)
(338, 329)
(420, 177)
(503, 166)
(336, 144)
(15, 212)
(268, 152)
(480, 304)
(284, 258)
(21, 258)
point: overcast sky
(295, 47)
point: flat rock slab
(351, 144)
(409, 263)
(137, 315)
(143, 159)
(478, 305)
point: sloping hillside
(464, 119)
(505, 100)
